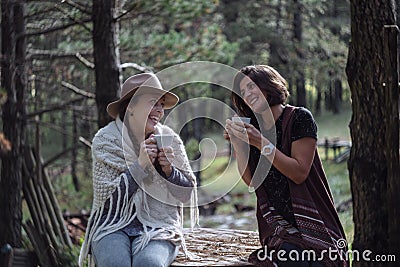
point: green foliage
(175, 32)
(69, 256)
(334, 126)
(192, 148)
(265, 30)
(68, 198)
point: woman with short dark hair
(277, 155)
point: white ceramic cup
(241, 119)
(163, 140)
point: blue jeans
(116, 249)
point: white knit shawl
(112, 153)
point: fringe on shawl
(174, 236)
(95, 231)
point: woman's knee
(112, 250)
(112, 261)
(156, 254)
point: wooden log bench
(210, 247)
(218, 247)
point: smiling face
(146, 111)
(252, 95)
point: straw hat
(148, 83)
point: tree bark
(392, 134)
(337, 97)
(13, 80)
(106, 57)
(74, 152)
(398, 25)
(373, 162)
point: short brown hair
(270, 82)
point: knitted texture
(153, 204)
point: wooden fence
(46, 228)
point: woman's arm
(176, 167)
(296, 167)
(177, 178)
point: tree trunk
(318, 100)
(275, 45)
(337, 97)
(373, 163)
(392, 134)
(301, 89)
(106, 57)
(398, 25)
(74, 143)
(329, 97)
(297, 39)
(13, 80)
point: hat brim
(171, 99)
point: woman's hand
(231, 135)
(165, 156)
(244, 132)
(148, 152)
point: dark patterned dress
(276, 184)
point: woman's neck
(271, 115)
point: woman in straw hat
(138, 189)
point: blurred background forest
(77, 53)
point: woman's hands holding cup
(148, 152)
(165, 156)
(241, 132)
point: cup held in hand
(241, 119)
(164, 140)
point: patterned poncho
(155, 207)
